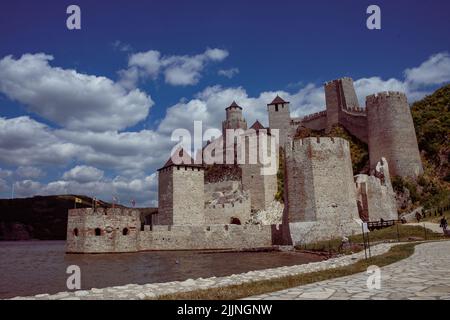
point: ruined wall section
(375, 195)
(225, 212)
(391, 134)
(103, 230)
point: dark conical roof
(180, 151)
(234, 105)
(257, 125)
(277, 100)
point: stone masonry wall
(320, 189)
(222, 186)
(262, 187)
(223, 213)
(205, 237)
(317, 123)
(117, 230)
(356, 124)
(188, 195)
(392, 135)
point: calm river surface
(33, 267)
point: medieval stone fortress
(322, 197)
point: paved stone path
(424, 275)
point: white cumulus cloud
(68, 98)
(229, 73)
(178, 70)
(83, 174)
(435, 70)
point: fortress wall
(320, 189)
(188, 195)
(161, 237)
(111, 223)
(391, 134)
(339, 94)
(206, 237)
(355, 123)
(223, 213)
(318, 122)
(223, 186)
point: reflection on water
(33, 267)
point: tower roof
(277, 100)
(257, 126)
(234, 105)
(180, 151)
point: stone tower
(391, 134)
(262, 186)
(280, 118)
(320, 194)
(234, 118)
(180, 193)
(339, 94)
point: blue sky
(93, 113)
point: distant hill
(432, 122)
(43, 217)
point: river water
(33, 267)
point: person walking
(444, 224)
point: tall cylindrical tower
(391, 134)
(234, 118)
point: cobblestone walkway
(424, 275)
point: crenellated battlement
(332, 82)
(207, 227)
(103, 212)
(318, 142)
(228, 205)
(385, 96)
(315, 115)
